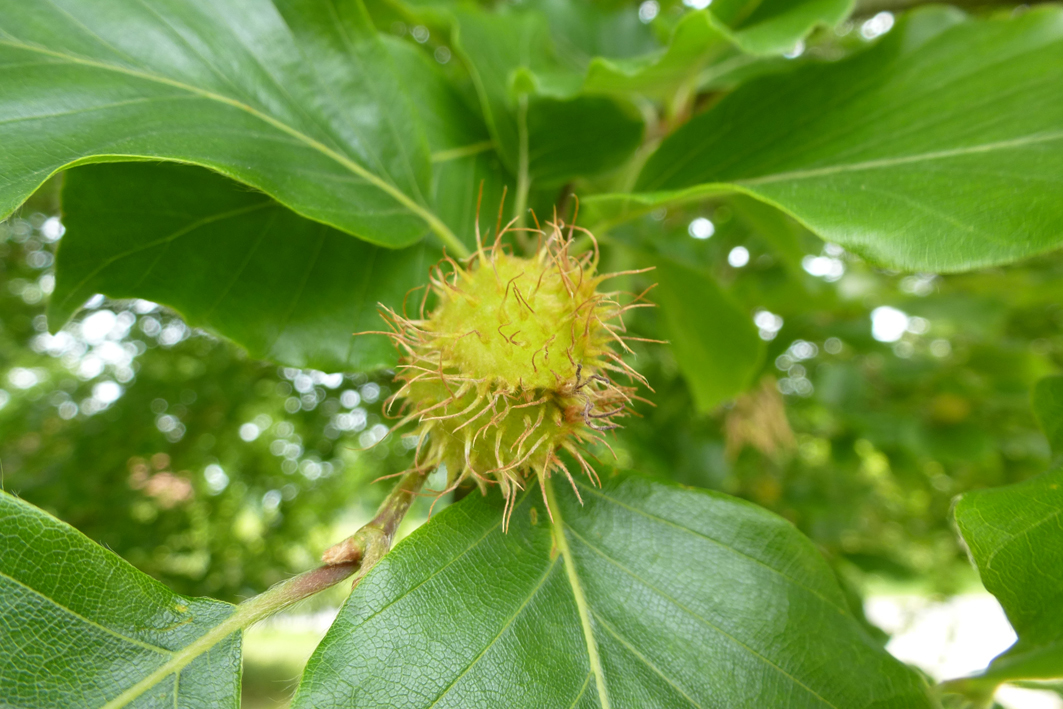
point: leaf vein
(699, 618)
(104, 628)
(242, 267)
(505, 626)
(717, 542)
(162, 240)
(302, 287)
(645, 660)
(391, 190)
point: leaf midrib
(558, 527)
(903, 160)
(398, 195)
(650, 199)
(697, 617)
(371, 83)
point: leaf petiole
(358, 553)
(247, 613)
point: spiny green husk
(512, 365)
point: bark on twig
(369, 544)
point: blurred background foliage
(878, 397)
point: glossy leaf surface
(647, 595)
(581, 31)
(237, 263)
(938, 150)
(299, 100)
(232, 261)
(79, 626)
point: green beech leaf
(297, 99)
(580, 137)
(647, 595)
(79, 627)
(567, 135)
(1015, 535)
(707, 46)
(775, 26)
(710, 43)
(494, 48)
(934, 150)
(232, 261)
(1048, 405)
(696, 40)
(463, 153)
(736, 68)
(582, 30)
(715, 343)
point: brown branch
(369, 544)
